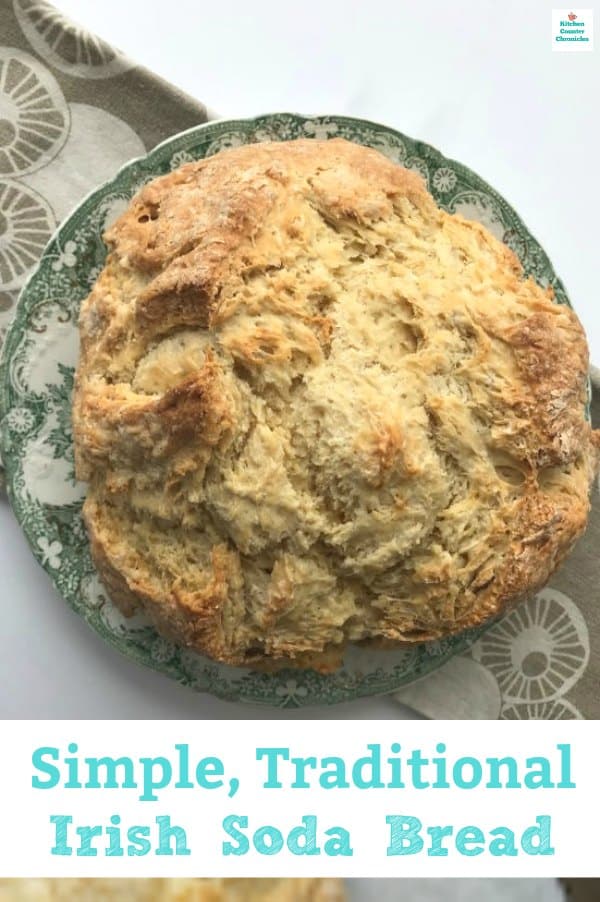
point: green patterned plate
(36, 380)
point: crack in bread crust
(315, 409)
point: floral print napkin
(72, 111)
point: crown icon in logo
(572, 17)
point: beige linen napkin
(72, 111)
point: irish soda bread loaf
(176, 890)
(313, 409)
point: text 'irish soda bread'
(313, 409)
(175, 890)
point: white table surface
(476, 79)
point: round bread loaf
(315, 409)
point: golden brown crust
(171, 890)
(315, 409)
